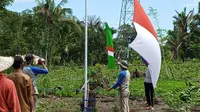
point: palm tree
(194, 34)
(96, 40)
(52, 13)
(183, 20)
(175, 43)
(181, 25)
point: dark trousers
(149, 93)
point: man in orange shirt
(8, 96)
(23, 84)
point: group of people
(123, 84)
(18, 90)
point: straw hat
(123, 63)
(5, 63)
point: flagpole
(86, 59)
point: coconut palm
(51, 10)
(175, 43)
(53, 14)
(181, 25)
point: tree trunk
(46, 59)
(50, 56)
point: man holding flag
(148, 86)
(146, 44)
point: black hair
(17, 62)
(29, 58)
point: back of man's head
(18, 61)
(29, 58)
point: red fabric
(110, 49)
(142, 19)
(8, 96)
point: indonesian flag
(146, 42)
(111, 60)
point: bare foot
(151, 108)
(148, 108)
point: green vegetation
(53, 32)
(180, 89)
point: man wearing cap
(23, 84)
(123, 83)
(33, 72)
(8, 95)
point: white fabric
(110, 53)
(148, 47)
(5, 63)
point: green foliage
(179, 71)
(4, 3)
(191, 94)
(121, 42)
(183, 40)
(173, 89)
(51, 30)
(170, 91)
(69, 79)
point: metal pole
(128, 49)
(86, 58)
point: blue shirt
(145, 61)
(38, 70)
(33, 71)
(121, 77)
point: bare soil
(104, 104)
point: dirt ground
(110, 104)
(104, 104)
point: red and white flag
(146, 41)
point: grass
(169, 87)
(58, 105)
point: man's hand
(108, 89)
(40, 62)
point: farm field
(66, 36)
(178, 91)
